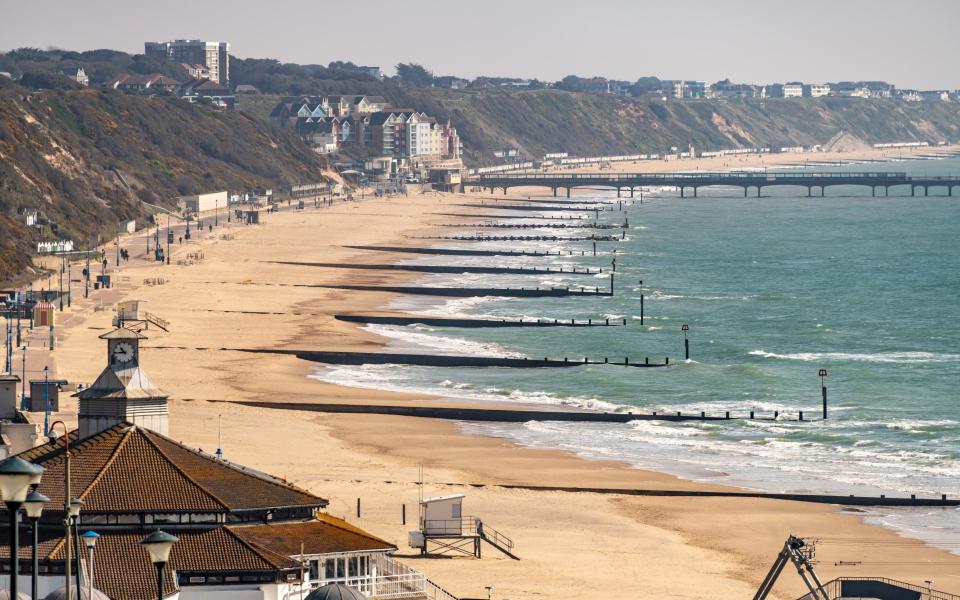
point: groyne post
(823, 391)
(641, 302)
(686, 342)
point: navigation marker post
(686, 342)
(823, 391)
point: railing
(493, 536)
(435, 592)
(834, 588)
(389, 579)
(467, 527)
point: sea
(773, 289)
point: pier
(477, 323)
(589, 225)
(630, 182)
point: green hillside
(85, 159)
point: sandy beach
(239, 296)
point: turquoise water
(773, 290)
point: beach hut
(43, 313)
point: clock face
(123, 352)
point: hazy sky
(912, 43)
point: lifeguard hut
(43, 314)
(444, 530)
(131, 315)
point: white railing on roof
(391, 579)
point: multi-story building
(214, 55)
(785, 90)
(816, 90)
(728, 89)
(684, 89)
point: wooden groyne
(442, 360)
(850, 500)
(465, 292)
(519, 238)
(463, 251)
(549, 208)
(531, 217)
(478, 323)
(589, 225)
(455, 269)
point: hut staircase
(496, 539)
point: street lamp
(90, 540)
(16, 477)
(74, 516)
(158, 544)
(53, 436)
(33, 506)
(686, 343)
(823, 391)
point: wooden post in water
(823, 391)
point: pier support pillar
(950, 190)
(631, 192)
(913, 190)
(809, 191)
(694, 191)
(568, 192)
(618, 192)
(873, 190)
(745, 188)
(681, 191)
(554, 192)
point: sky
(911, 43)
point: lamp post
(823, 391)
(33, 506)
(158, 544)
(23, 379)
(16, 477)
(90, 541)
(686, 342)
(75, 505)
(67, 504)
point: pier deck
(683, 181)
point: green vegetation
(86, 159)
(584, 124)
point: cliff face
(85, 160)
(541, 121)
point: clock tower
(123, 392)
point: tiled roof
(131, 469)
(325, 535)
(124, 572)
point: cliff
(86, 159)
(541, 121)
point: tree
(414, 75)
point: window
(456, 510)
(314, 570)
